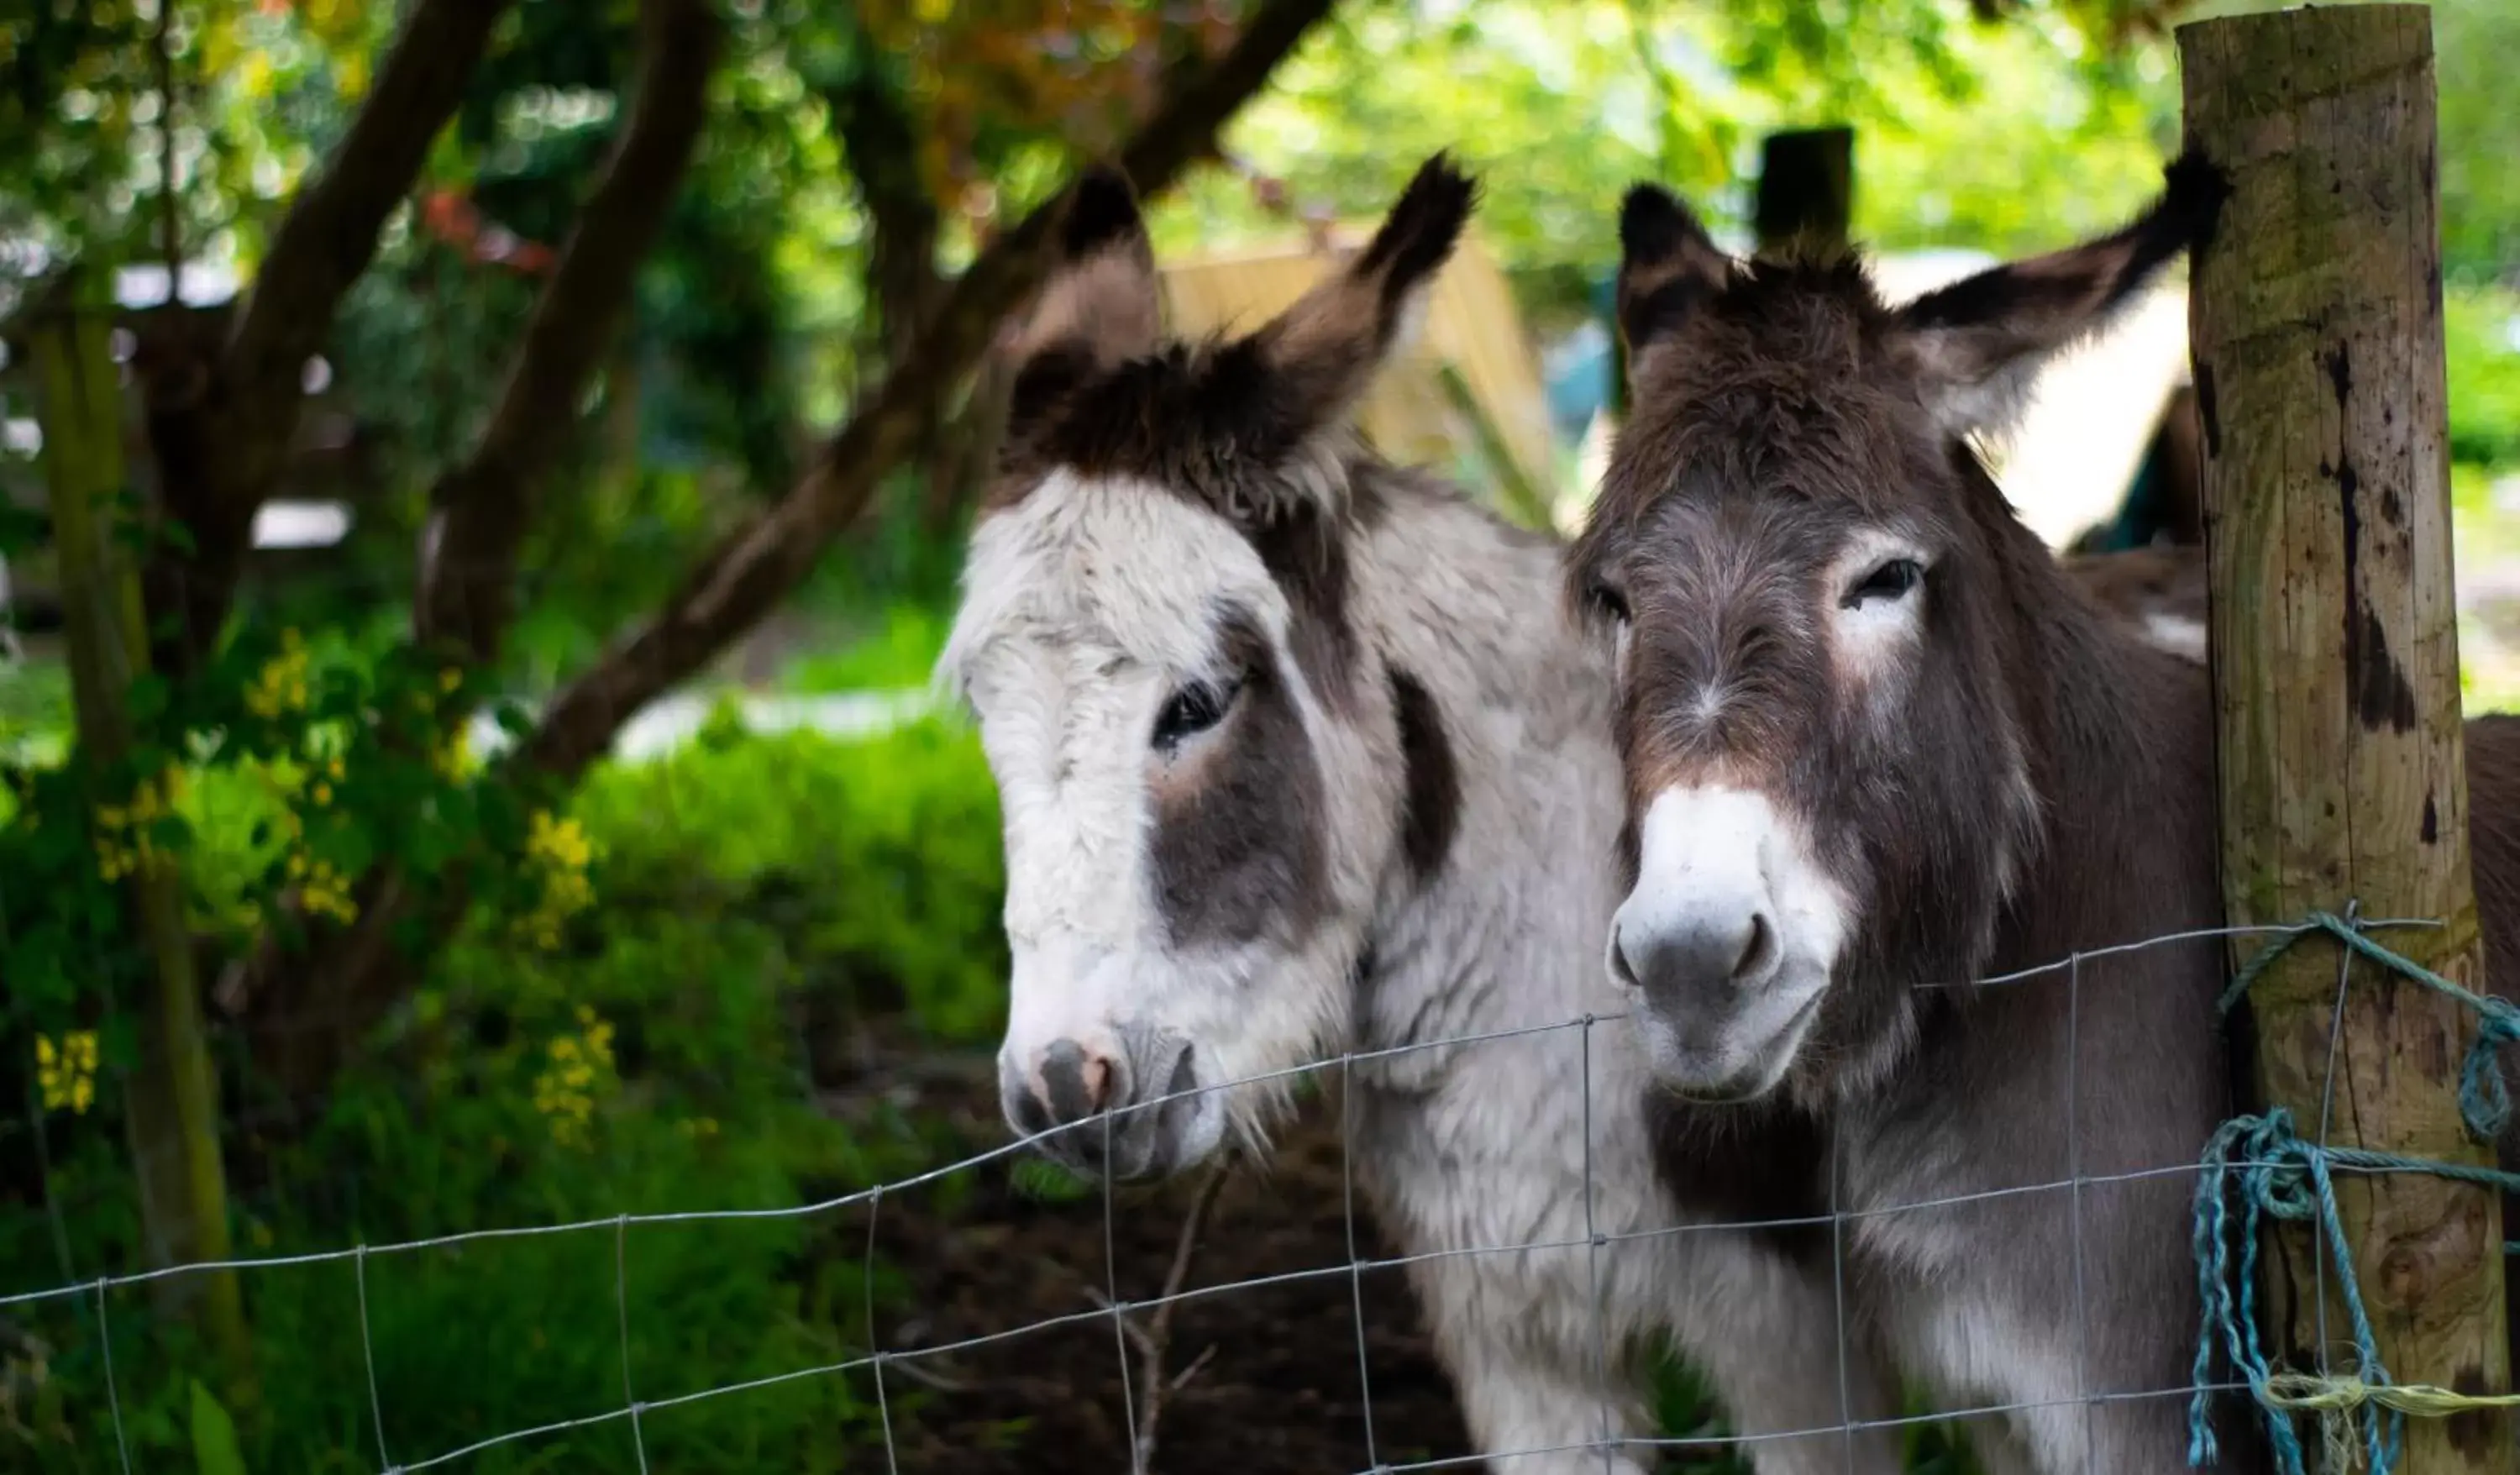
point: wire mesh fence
(614, 1241)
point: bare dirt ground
(1256, 1381)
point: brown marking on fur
(1431, 794)
(1752, 1164)
(1237, 838)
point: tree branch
(483, 506)
(1155, 1344)
(220, 428)
(879, 143)
(328, 235)
(762, 561)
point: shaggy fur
(1979, 771)
(1298, 757)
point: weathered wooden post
(1806, 187)
(2316, 316)
(172, 1097)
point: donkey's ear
(1324, 349)
(1101, 304)
(1977, 345)
(1667, 266)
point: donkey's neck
(2121, 758)
(1503, 928)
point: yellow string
(2310, 1393)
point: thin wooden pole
(2316, 316)
(1806, 189)
(173, 1094)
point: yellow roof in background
(1410, 414)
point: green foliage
(2478, 330)
(214, 1437)
(2003, 138)
(878, 863)
(34, 707)
(897, 655)
(652, 1062)
(307, 767)
(1684, 1409)
(2476, 43)
(1046, 1181)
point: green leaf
(214, 1437)
(20, 530)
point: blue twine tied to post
(2279, 1176)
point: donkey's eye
(1891, 581)
(1192, 711)
(1606, 601)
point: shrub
(642, 1056)
(2477, 326)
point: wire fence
(875, 1359)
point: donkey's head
(1817, 600)
(1199, 759)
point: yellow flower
(449, 679)
(323, 794)
(560, 851)
(455, 754)
(281, 685)
(66, 1071)
(580, 1068)
(561, 843)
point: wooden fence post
(1806, 187)
(2316, 316)
(172, 1094)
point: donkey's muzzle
(1091, 1109)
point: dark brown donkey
(1877, 743)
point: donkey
(1299, 756)
(1877, 743)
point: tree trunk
(173, 1109)
(760, 563)
(2318, 338)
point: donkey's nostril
(1622, 968)
(1077, 1081)
(1756, 954)
(1706, 951)
(1031, 1110)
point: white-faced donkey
(1299, 756)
